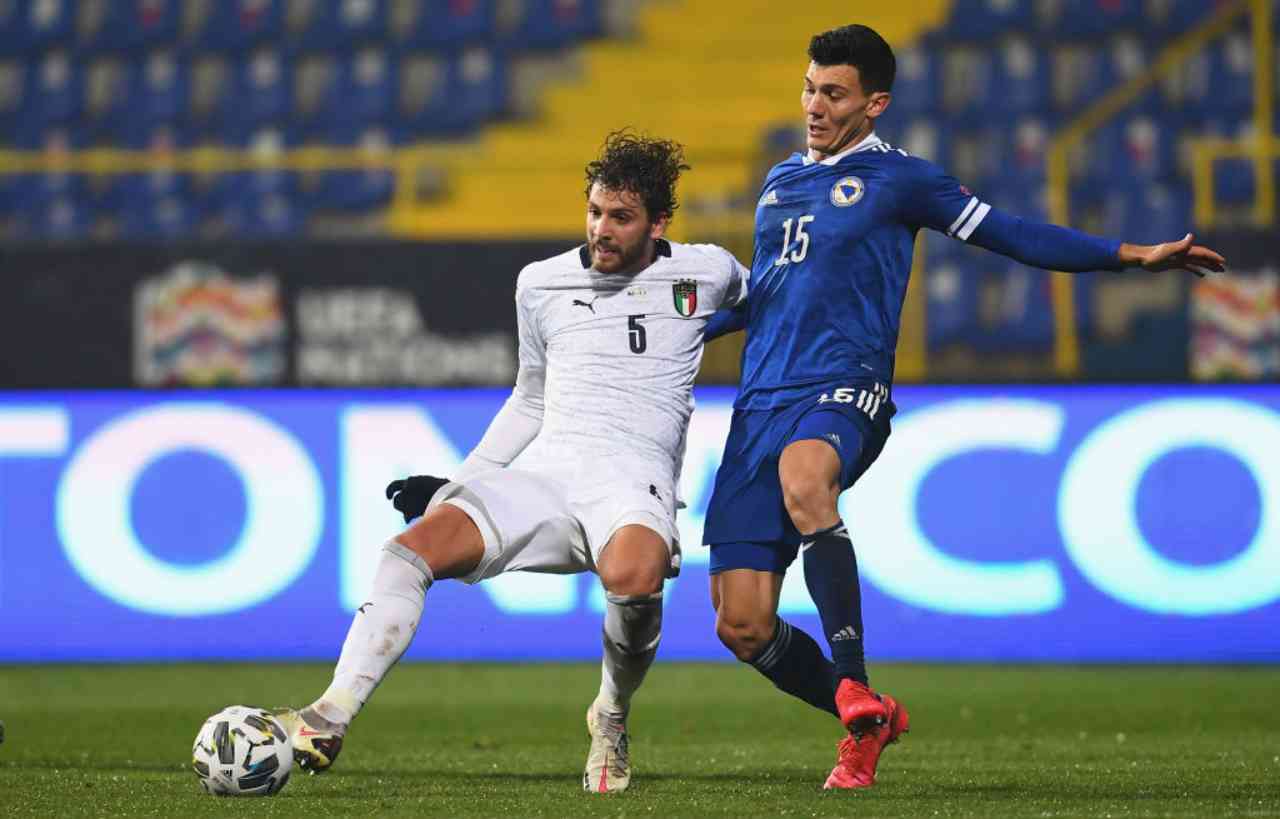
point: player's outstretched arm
(1179, 255)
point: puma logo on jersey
(590, 305)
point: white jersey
(607, 364)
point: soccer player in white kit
(578, 470)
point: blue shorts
(747, 525)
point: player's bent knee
(447, 539)
(810, 503)
(745, 638)
(632, 579)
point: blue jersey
(833, 248)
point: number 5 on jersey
(801, 237)
(635, 334)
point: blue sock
(794, 663)
(831, 573)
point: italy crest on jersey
(847, 191)
(685, 293)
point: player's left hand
(411, 495)
(1180, 255)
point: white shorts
(535, 522)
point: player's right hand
(411, 495)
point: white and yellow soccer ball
(242, 751)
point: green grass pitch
(707, 740)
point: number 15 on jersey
(801, 237)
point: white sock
(632, 629)
(381, 631)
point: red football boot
(860, 709)
(860, 753)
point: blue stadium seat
(1083, 75)
(916, 87)
(362, 189)
(230, 188)
(264, 216)
(235, 25)
(546, 24)
(1131, 151)
(952, 291)
(48, 24)
(923, 136)
(1230, 80)
(60, 218)
(259, 92)
(448, 96)
(1022, 319)
(54, 92)
(1148, 215)
(1082, 19)
(13, 29)
(339, 25)
(1168, 18)
(157, 90)
(1021, 80)
(442, 24)
(968, 85)
(160, 217)
(13, 98)
(134, 24)
(363, 90)
(133, 191)
(985, 19)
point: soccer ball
(242, 751)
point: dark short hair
(641, 165)
(860, 47)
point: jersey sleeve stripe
(974, 220)
(964, 214)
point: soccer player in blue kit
(834, 234)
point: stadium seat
(125, 26)
(339, 25)
(441, 24)
(1163, 19)
(1083, 19)
(41, 25)
(547, 24)
(355, 190)
(985, 19)
(13, 29)
(264, 216)
(235, 25)
(259, 92)
(136, 191)
(1021, 80)
(160, 218)
(968, 84)
(60, 218)
(951, 288)
(916, 86)
(243, 191)
(13, 95)
(1082, 75)
(922, 136)
(363, 89)
(158, 90)
(448, 96)
(54, 91)
(1230, 80)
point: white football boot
(316, 741)
(608, 762)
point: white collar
(867, 143)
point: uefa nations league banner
(1037, 524)
(330, 314)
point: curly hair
(641, 165)
(860, 47)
